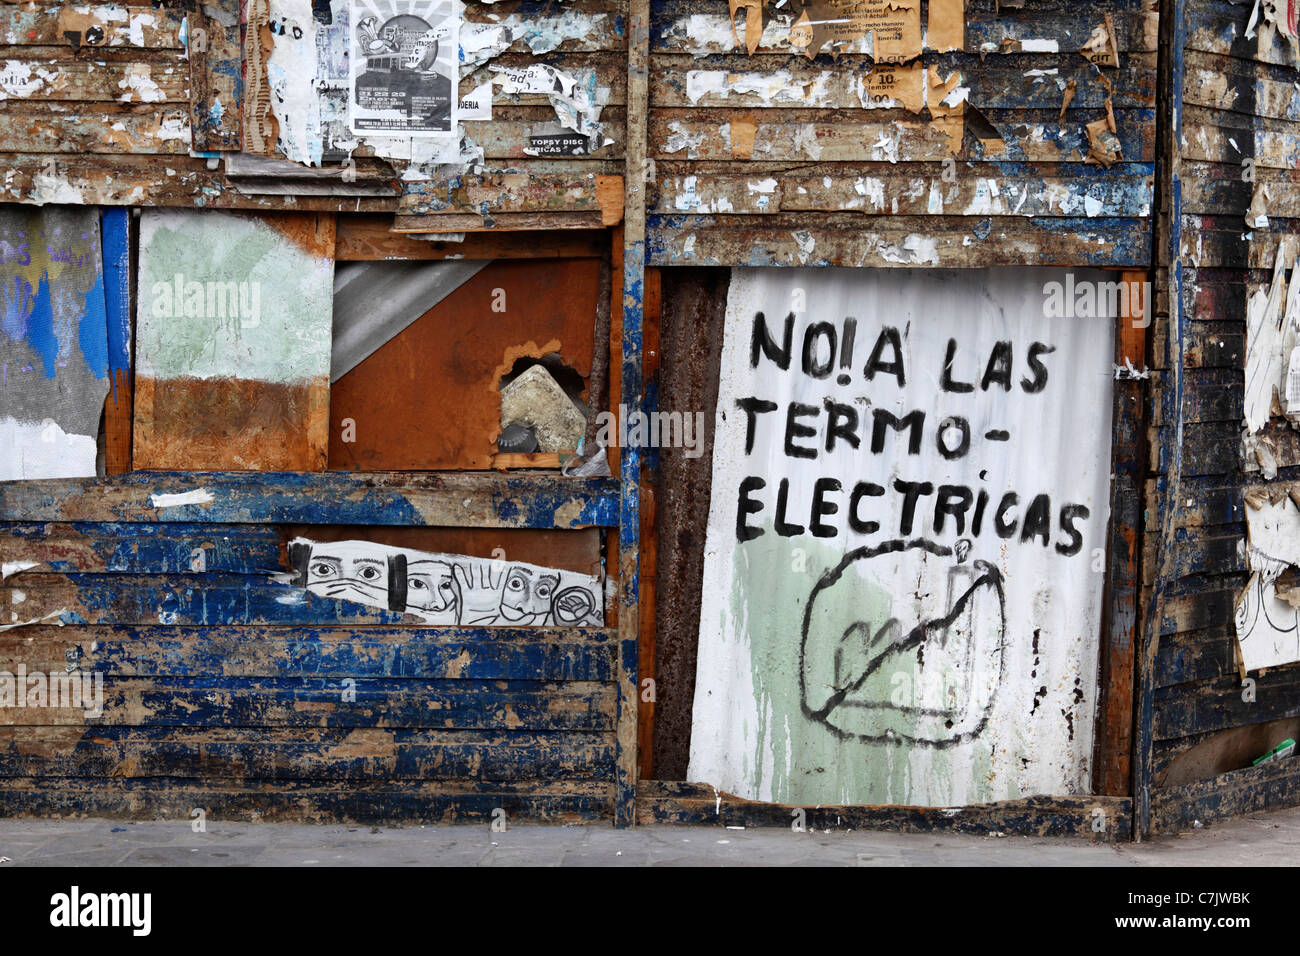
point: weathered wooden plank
(604, 72)
(1022, 81)
(1219, 26)
(786, 135)
(376, 802)
(540, 27)
(327, 702)
(33, 127)
(60, 75)
(216, 53)
(141, 548)
(1217, 703)
(335, 755)
(911, 189)
(1219, 136)
(371, 238)
(509, 134)
(98, 25)
(1196, 656)
(1242, 86)
(701, 28)
(660, 802)
(850, 239)
(455, 500)
(242, 650)
(489, 196)
(1266, 787)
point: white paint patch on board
(903, 590)
(43, 450)
(199, 496)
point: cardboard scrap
(946, 29)
(753, 22)
(946, 99)
(1102, 49)
(1068, 97)
(744, 127)
(1104, 145)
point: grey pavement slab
(1264, 839)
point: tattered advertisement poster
(906, 540)
(447, 589)
(404, 66)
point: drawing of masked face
(349, 572)
(527, 598)
(430, 591)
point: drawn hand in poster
(478, 586)
(918, 667)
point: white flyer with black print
(404, 67)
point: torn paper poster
(893, 85)
(1266, 316)
(290, 73)
(895, 26)
(405, 67)
(1257, 214)
(1278, 16)
(1268, 630)
(480, 42)
(946, 28)
(476, 106)
(577, 105)
(447, 589)
(54, 617)
(53, 342)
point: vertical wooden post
(115, 242)
(1112, 764)
(649, 537)
(634, 256)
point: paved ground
(1262, 839)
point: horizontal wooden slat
(335, 755)
(141, 548)
(32, 127)
(371, 238)
(326, 702)
(487, 653)
(661, 801)
(436, 802)
(456, 500)
(46, 75)
(876, 135)
(1216, 703)
(1266, 787)
(44, 24)
(903, 189)
(848, 239)
(1023, 81)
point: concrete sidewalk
(1260, 840)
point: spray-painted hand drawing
(404, 67)
(447, 589)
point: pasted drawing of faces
(430, 591)
(348, 572)
(528, 593)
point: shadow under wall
(691, 332)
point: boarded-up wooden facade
(981, 134)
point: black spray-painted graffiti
(839, 654)
(809, 432)
(447, 589)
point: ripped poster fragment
(576, 108)
(447, 589)
(895, 26)
(53, 342)
(1273, 345)
(1268, 625)
(404, 67)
